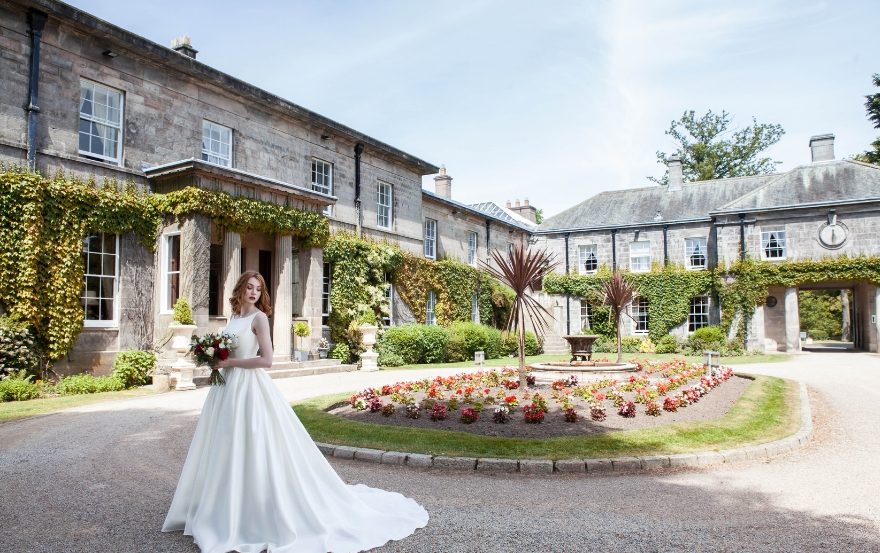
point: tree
(523, 272)
(539, 216)
(707, 152)
(618, 293)
(872, 107)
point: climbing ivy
(43, 223)
(452, 281)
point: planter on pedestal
(369, 357)
(184, 369)
(322, 353)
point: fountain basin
(584, 370)
(581, 345)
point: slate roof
(640, 206)
(820, 183)
(502, 216)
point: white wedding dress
(254, 480)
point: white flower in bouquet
(210, 351)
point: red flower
(224, 354)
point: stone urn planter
(182, 369)
(322, 353)
(581, 345)
(369, 357)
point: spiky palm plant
(522, 271)
(618, 293)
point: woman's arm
(264, 361)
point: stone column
(231, 268)
(792, 321)
(311, 264)
(195, 265)
(283, 311)
(876, 325)
(846, 331)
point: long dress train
(254, 480)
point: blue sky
(551, 100)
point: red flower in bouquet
(209, 350)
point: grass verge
(12, 410)
(744, 360)
(768, 410)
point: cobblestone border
(618, 464)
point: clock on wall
(833, 234)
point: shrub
(88, 384)
(709, 334)
(817, 334)
(630, 344)
(510, 345)
(301, 329)
(404, 341)
(18, 387)
(182, 312)
(456, 349)
(342, 352)
(468, 338)
(389, 359)
(605, 345)
(17, 349)
(452, 404)
(647, 346)
(708, 337)
(134, 367)
(667, 344)
(428, 403)
(434, 339)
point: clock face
(833, 236)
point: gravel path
(101, 477)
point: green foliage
(134, 367)
(18, 387)
(630, 344)
(471, 337)
(341, 352)
(708, 153)
(43, 223)
(302, 329)
(17, 348)
(709, 334)
(872, 107)
(495, 301)
(434, 339)
(390, 359)
(821, 314)
(404, 341)
(509, 344)
(453, 282)
(182, 312)
(667, 344)
(88, 384)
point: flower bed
(660, 393)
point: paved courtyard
(100, 478)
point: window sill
(114, 327)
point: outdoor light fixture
(110, 53)
(326, 137)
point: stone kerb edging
(618, 464)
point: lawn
(12, 410)
(768, 410)
(511, 361)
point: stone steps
(289, 369)
(555, 345)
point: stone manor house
(82, 95)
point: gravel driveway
(100, 478)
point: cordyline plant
(618, 293)
(523, 271)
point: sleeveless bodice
(245, 341)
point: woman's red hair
(240, 290)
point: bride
(253, 478)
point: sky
(553, 101)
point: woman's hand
(223, 364)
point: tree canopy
(872, 107)
(710, 149)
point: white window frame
(584, 251)
(208, 127)
(430, 239)
(637, 263)
(639, 308)
(430, 315)
(389, 295)
(166, 273)
(115, 320)
(692, 246)
(117, 159)
(700, 310)
(327, 173)
(472, 248)
(586, 315)
(384, 210)
(475, 308)
(778, 231)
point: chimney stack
(822, 147)
(517, 203)
(183, 45)
(524, 210)
(443, 184)
(675, 176)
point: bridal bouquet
(209, 349)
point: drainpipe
(567, 293)
(36, 20)
(488, 255)
(614, 249)
(358, 150)
(742, 236)
(665, 246)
